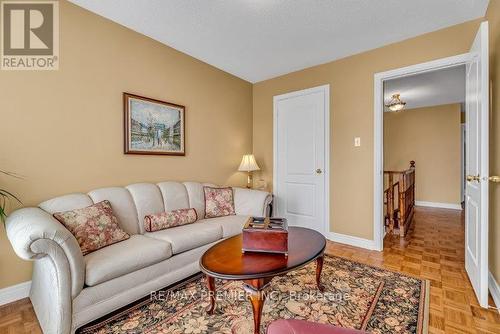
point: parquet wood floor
(433, 249)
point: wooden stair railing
(399, 199)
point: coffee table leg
(319, 268)
(257, 296)
(211, 292)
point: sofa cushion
(196, 197)
(124, 257)
(93, 302)
(175, 195)
(187, 237)
(66, 203)
(148, 200)
(219, 202)
(123, 206)
(251, 202)
(231, 225)
(94, 227)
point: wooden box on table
(265, 235)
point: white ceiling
(260, 39)
(434, 88)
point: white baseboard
(439, 205)
(494, 290)
(15, 292)
(352, 241)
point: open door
(477, 171)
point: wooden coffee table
(225, 260)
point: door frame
(326, 90)
(378, 128)
(463, 139)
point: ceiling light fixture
(396, 104)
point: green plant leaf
(3, 215)
(5, 193)
(17, 176)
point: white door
(300, 157)
(462, 163)
(476, 190)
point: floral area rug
(355, 296)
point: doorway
(301, 157)
(477, 168)
(428, 132)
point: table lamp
(248, 164)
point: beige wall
(351, 108)
(493, 17)
(431, 137)
(63, 129)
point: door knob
(471, 178)
(319, 171)
(494, 178)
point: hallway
(433, 249)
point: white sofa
(69, 290)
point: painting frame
(129, 122)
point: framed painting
(153, 126)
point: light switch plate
(357, 141)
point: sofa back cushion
(132, 203)
(148, 201)
(123, 206)
(250, 202)
(66, 203)
(175, 196)
(196, 197)
(94, 227)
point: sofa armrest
(34, 234)
(249, 202)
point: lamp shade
(248, 163)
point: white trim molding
(378, 131)
(453, 206)
(494, 290)
(352, 241)
(15, 292)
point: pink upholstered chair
(293, 326)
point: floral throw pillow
(169, 219)
(94, 227)
(219, 202)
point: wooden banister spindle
(402, 205)
(390, 204)
(412, 165)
